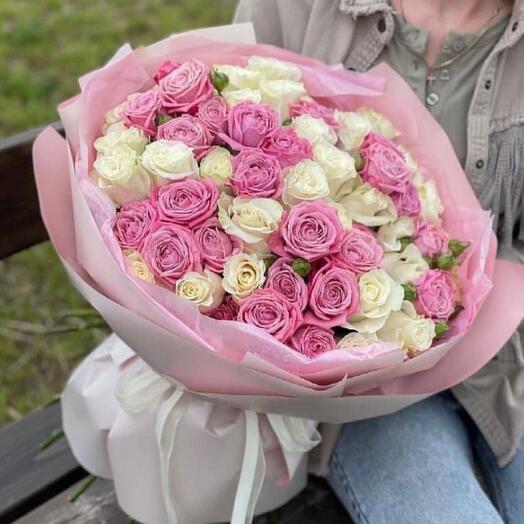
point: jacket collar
(357, 8)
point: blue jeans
(420, 466)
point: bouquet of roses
(272, 240)
(245, 196)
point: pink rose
(213, 113)
(407, 203)
(359, 250)
(186, 88)
(141, 111)
(272, 312)
(283, 279)
(170, 251)
(133, 223)
(384, 165)
(436, 294)
(216, 245)
(166, 68)
(228, 310)
(312, 340)
(286, 146)
(187, 202)
(189, 130)
(431, 239)
(333, 296)
(255, 175)
(248, 124)
(310, 230)
(314, 109)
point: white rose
(119, 133)
(406, 266)
(121, 168)
(242, 95)
(137, 266)
(353, 129)
(202, 289)
(411, 332)
(338, 165)
(239, 77)
(243, 274)
(389, 235)
(304, 181)
(169, 160)
(217, 166)
(279, 94)
(313, 129)
(273, 69)
(367, 205)
(379, 296)
(251, 220)
(355, 339)
(431, 206)
(113, 116)
(410, 161)
(379, 123)
(342, 213)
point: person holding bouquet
(464, 61)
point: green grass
(45, 326)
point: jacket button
(480, 164)
(487, 84)
(515, 26)
(381, 26)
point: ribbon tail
(169, 415)
(252, 473)
(296, 435)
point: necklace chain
(483, 30)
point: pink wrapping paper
(236, 363)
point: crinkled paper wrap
(206, 458)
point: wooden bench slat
(20, 222)
(30, 476)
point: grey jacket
(354, 33)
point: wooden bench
(35, 483)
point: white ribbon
(138, 391)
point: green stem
(52, 438)
(82, 488)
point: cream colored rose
(119, 133)
(367, 205)
(431, 207)
(243, 274)
(121, 168)
(239, 77)
(113, 116)
(379, 296)
(379, 123)
(355, 339)
(338, 165)
(353, 129)
(411, 332)
(343, 215)
(273, 69)
(216, 165)
(137, 266)
(202, 289)
(279, 94)
(169, 160)
(410, 161)
(242, 95)
(389, 235)
(304, 181)
(251, 220)
(313, 129)
(406, 266)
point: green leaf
(404, 242)
(301, 266)
(445, 262)
(441, 328)
(457, 247)
(287, 122)
(269, 262)
(219, 80)
(410, 291)
(359, 161)
(456, 311)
